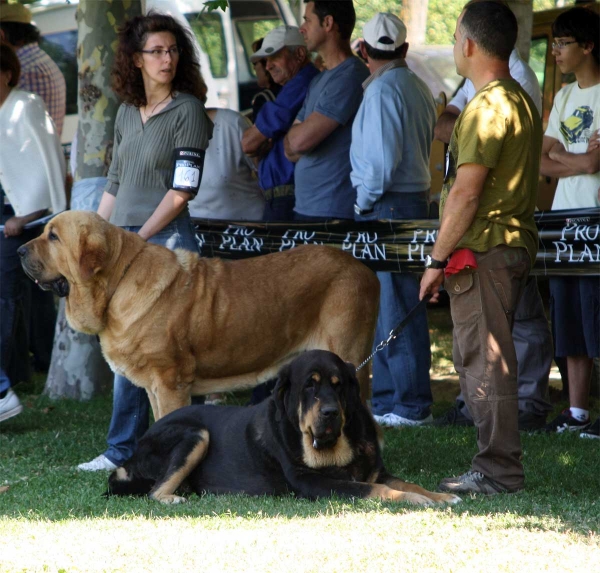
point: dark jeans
(14, 296)
(401, 382)
(279, 209)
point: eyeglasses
(157, 54)
(561, 45)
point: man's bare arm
(445, 123)
(459, 212)
(306, 135)
(460, 208)
(581, 163)
(253, 142)
(560, 163)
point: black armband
(188, 165)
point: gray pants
(533, 345)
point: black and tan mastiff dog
(177, 324)
(313, 437)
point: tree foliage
(441, 15)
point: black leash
(394, 333)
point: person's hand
(430, 284)
(556, 150)
(594, 142)
(265, 147)
(14, 226)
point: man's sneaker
(394, 421)
(564, 422)
(101, 463)
(529, 422)
(593, 431)
(453, 417)
(9, 406)
(472, 482)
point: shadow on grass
(41, 447)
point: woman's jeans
(401, 382)
(130, 415)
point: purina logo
(191, 154)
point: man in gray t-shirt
(319, 141)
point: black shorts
(575, 315)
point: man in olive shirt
(486, 213)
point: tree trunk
(414, 16)
(78, 369)
(523, 10)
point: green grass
(54, 518)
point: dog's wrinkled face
(64, 253)
(320, 408)
(38, 260)
(319, 392)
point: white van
(224, 39)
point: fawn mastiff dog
(313, 437)
(177, 324)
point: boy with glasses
(571, 152)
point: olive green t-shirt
(499, 128)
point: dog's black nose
(22, 251)
(330, 412)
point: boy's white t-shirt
(575, 116)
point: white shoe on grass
(394, 421)
(101, 463)
(9, 406)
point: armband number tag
(187, 169)
(186, 175)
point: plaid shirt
(40, 75)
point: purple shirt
(274, 121)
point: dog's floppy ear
(281, 389)
(92, 253)
(353, 401)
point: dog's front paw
(444, 498)
(169, 499)
(452, 499)
(416, 499)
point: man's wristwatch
(360, 211)
(431, 263)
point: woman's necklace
(146, 115)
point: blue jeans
(279, 209)
(401, 382)
(131, 406)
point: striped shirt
(141, 171)
(40, 75)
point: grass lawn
(54, 518)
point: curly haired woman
(161, 134)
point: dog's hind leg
(184, 458)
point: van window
(62, 48)
(208, 29)
(251, 30)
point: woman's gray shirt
(141, 171)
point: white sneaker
(395, 421)
(101, 463)
(9, 406)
